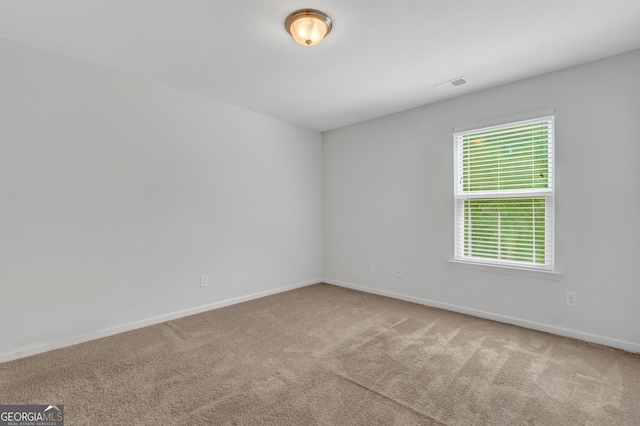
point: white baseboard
(33, 350)
(561, 331)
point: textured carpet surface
(324, 355)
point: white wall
(116, 194)
(388, 200)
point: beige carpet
(323, 355)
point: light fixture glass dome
(308, 26)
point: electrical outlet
(372, 268)
(399, 272)
(204, 280)
(572, 298)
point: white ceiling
(382, 56)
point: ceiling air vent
(447, 85)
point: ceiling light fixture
(308, 26)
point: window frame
(461, 196)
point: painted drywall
(388, 200)
(117, 194)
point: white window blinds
(504, 193)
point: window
(504, 194)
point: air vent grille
(448, 85)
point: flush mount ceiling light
(308, 26)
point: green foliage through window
(506, 229)
(517, 158)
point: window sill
(534, 273)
